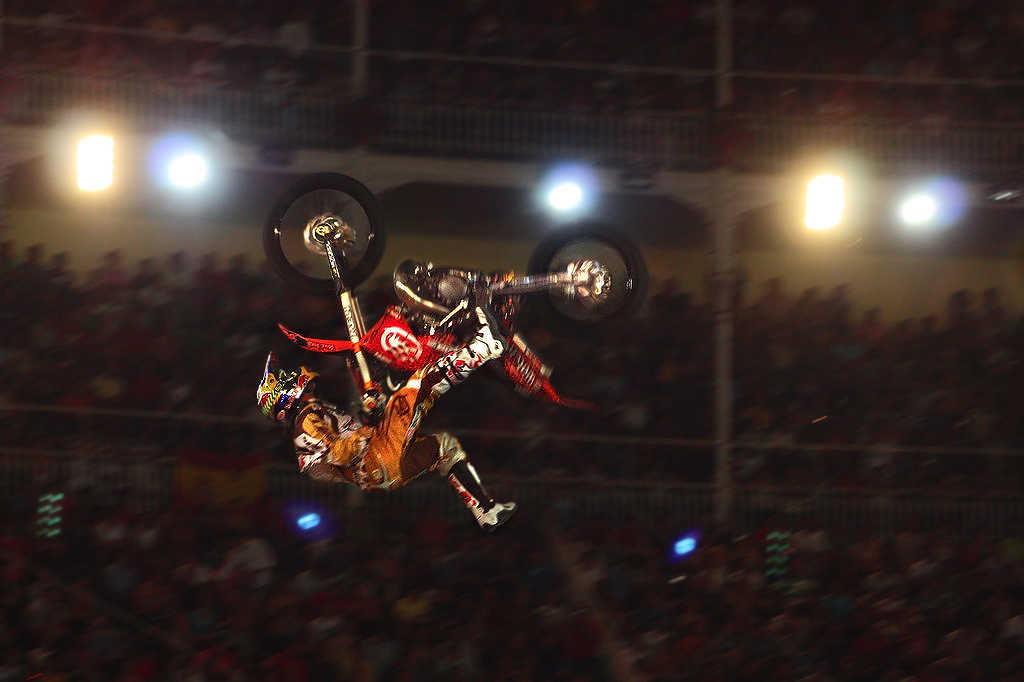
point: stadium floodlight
(825, 202)
(568, 191)
(95, 163)
(935, 202)
(187, 170)
(918, 209)
(565, 197)
(185, 161)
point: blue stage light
(684, 546)
(308, 521)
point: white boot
(488, 513)
(495, 516)
(487, 344)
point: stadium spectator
(903, 603)
(908, 41)
(809, 370)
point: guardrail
(975, 150)
(264, 114)
(317, 118)
(152, 483)
(572, 475)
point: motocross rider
(334, 446)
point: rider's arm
(326, 438)
(325, 473)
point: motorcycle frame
(372, 397)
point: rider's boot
(486, 344)
(488, 513)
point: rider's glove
(372, 409)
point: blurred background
(807, 462)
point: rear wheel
(299, 260)
(568, 315)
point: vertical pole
(723, 54)
(359, 76)
(360, 45)
(725, 275)
(725, 319)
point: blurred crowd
(902, 605)
(874, 396)
(196, 594)
(175, 336)
(189, 335)
(204, 595)
(129, 591)
(242, 44)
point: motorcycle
(581, 281)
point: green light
(49, 514)
(777, 549)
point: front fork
(371, 399)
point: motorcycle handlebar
(436, 290)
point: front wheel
(297, 258)
(568, 315)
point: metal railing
(318, 118)
(261, 113)
(149, 481)
(152, 483)
(404, 115)
(579, 476)
(980, 150)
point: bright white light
(918, 209)
(826, 197)
(935, 203)
(568, 191)
(95, 163)
(565, 196)
(188, 162)
(187, 170)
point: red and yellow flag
(217, 479)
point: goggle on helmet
(279, 392)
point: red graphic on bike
(401, 344)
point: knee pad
(450, 453)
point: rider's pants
(390, 454)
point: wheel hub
(325, 229)
(591, 281)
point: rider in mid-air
(335, 446)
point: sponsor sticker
(401, 344)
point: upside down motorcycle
(582, 281)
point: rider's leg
(444, 453)
(387, 456)
(455, 367)
(461, 475)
